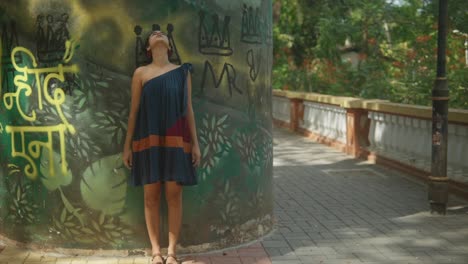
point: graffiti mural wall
(65, 74)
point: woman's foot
(171, 259)
(157, 258)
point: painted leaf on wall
(104, 185)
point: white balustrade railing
(399, 137)
(409, 140)
(458, 152)
(325, 120)
(281, 108)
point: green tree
(395, 41)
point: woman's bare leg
(174, 204)
(152, 202)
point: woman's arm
(191, 122)
(135, 103)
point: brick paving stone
(15, 262)
(251, 252)
(297, 261)
(201, 260)
(248, 260)
(63, 261)
(79, 261)
(39, 257)
(366, 213)
(102, 261)
(14, 254)
(225, 260)
(129, 260)
(142, 260)
(275, 244)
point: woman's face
(158, 37)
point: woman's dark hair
(150, 58)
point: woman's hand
(196, 155)
(127, 157)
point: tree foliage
(394, 43)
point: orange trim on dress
(161, 141)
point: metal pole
(438, 180)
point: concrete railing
(403, 133)
(394, 134)
(326, 120)
(281, 109)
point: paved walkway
(330, 209)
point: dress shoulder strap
(187, 67)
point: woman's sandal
(157, 255)
(172, 256)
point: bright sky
(396, 2)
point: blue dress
(161, 144)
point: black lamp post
(438, 180)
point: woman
(161, 145)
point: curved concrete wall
(65, 92)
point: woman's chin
(160, 40)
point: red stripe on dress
(161, 141)
(180, 128)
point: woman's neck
(160, 57)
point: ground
(331, 208)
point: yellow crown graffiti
(22, 83)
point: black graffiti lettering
(251, 25)
(51, 38)
(8, 42)
(140, 54)
(254, 64)
(214, 41)
(228, 70)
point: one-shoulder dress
(161, 143)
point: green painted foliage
(103, 185)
